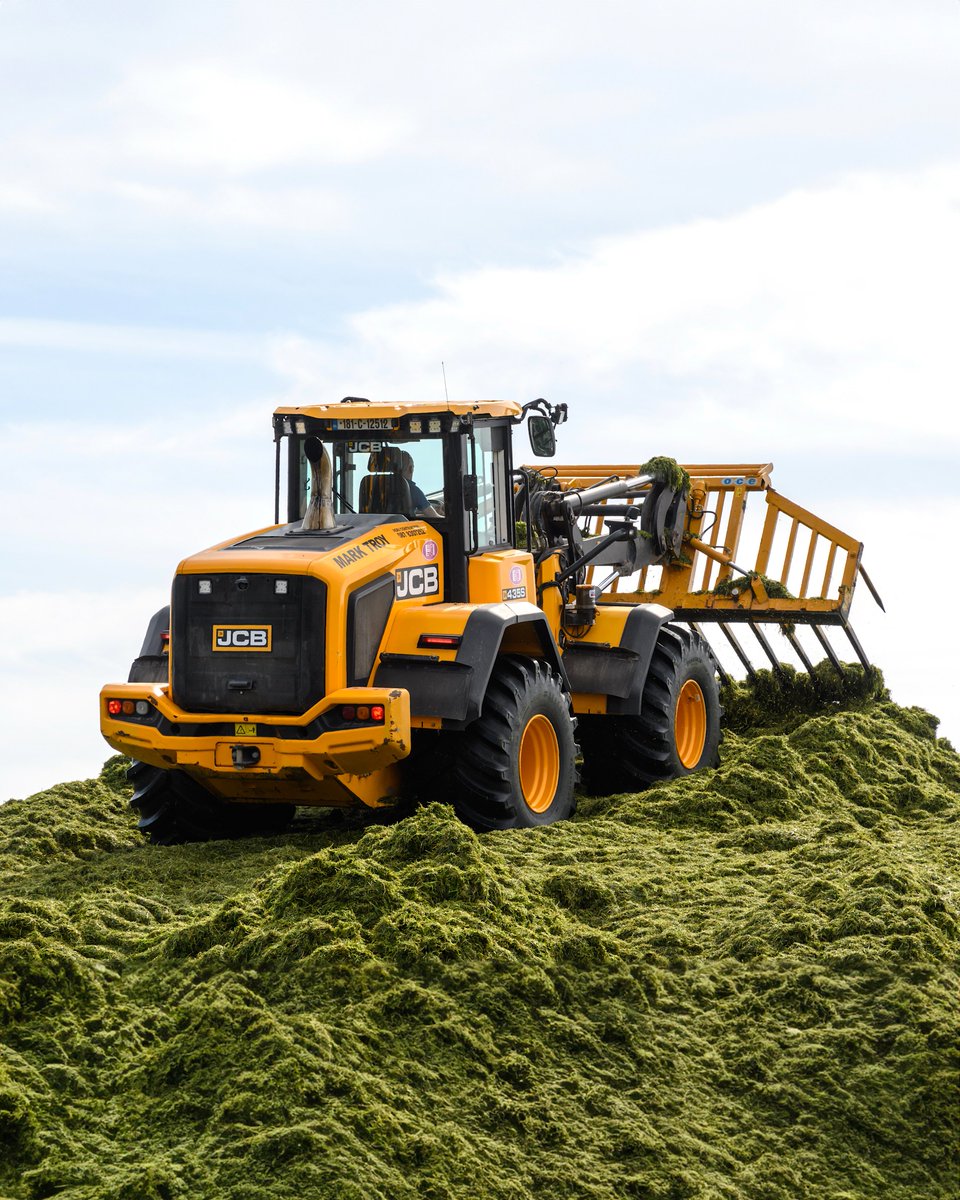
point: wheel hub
(539, 763)
(690, 724)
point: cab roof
(355, 408)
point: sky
(722, 233)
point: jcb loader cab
(427, 621)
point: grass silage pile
(741, 984)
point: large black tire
(174, 808)
(677, 731)
(515, 766)
(153, 665)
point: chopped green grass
(666, 470)
(733, 585)
(742, 984)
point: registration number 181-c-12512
(364, 423)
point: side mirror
(543, 438)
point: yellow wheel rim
(690, 724)
(539, 763)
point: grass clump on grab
(733, 585)
(666, 470)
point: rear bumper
(310, 758)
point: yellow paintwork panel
(501, 575)
(338, 766)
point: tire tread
(174, 809)
(483, 773)
(631, 753)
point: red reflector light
(440, 641)
(348, 712)
(114, 708)
(376, 712)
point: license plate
(365, 423)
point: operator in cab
(422, 507)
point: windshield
(374, 475)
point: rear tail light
(367, 713)
(128, 708)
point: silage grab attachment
(787, 569)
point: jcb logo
(242, 637)
(417, 581)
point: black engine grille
(287, 678)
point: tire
(149, 668)
(677, 731)
(153, 665)
(515, 766)
(174, 808)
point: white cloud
(285, 110)
(126, 502)
(91, 338)
(213, 142)
(823, 317)
(210, 116)
(912, 645)
(68, 645)
(290, 209)
(15, 198)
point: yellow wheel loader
(429, 621)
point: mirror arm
(556, 412)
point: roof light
(416, 425)
(280, 587)
(205, 587)
(434, 425)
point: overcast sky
(719, 232)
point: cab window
(379, 476)
(489, 462)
